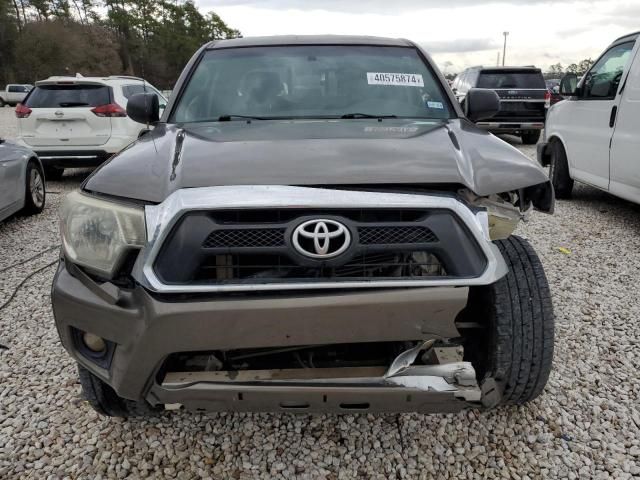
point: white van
(593, 136)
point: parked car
(553, 87)
(22, 186)
(79, 121)
(523, 98)
(592, 137)
(14, 93)
(313, 225)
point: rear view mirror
(568, 84)
(481, 103)
(144, 108)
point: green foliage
(556, 69)
(579, 68)
(149, 38)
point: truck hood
(315, 152)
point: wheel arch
(557, 138)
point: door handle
(612, 117)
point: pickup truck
(14, 93)
(312, 225)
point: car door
(12, 93)
(587, 131)
(625, 145)
(11, 186)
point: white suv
(79, 121)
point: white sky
(466, 33)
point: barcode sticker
(397, 79)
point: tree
(149, 38)
(556, 69)
(584, 66)
(573, 68)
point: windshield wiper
(228, 118)
(366, 115)
(73, 104)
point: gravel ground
(585, 425)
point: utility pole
(504, 48)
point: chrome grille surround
(162, 218)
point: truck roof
(309, 40)
(626, 38)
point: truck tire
(35, 193)
(104, 400)
(53, 173)
(514, 352)
(530, 137)
(2, 103)
(559, 171)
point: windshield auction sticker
(397, 79)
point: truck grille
(245, 238)
(251, 268)
(395, 235)
(255, 247)
(275, 237)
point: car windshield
(311, 81)
(511, 79)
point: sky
(462, 34)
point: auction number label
(397, 79)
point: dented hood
(315, 152)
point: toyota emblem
(321, 238)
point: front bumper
(147, 324)
(511, 127)
(145, 329)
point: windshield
(311, 81)
(511, 79)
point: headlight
(97, 234)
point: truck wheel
(530, 137)
(514, 351)
(53, 173)
(35, 193)
(105, 401)
(1, 103)
(559, 171)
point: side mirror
(568, 85)
(144, 108)
(481, 103)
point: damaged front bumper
(427, 389)
(145, 329)
(404, 386)
(147, 324)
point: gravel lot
(585, 425)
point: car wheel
(559, 171)
(35, 193)
(53, 173)
(106, 401)
(530, 137)
(512, 350)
